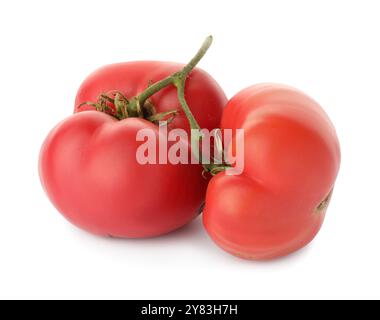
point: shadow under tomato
(193, 230)
(193, 234)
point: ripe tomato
(292, 158)
(88, 163)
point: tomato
(203, 94)
(88, 163)
(292, 157)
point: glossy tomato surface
(88, 163)
(292, 157)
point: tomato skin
(292, 158)
(203, 94)
(88, 164)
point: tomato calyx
(113, 103)
(117, 105)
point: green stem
(200, 54)
(175, 78)
(180, 84)
(151, 90)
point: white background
(329, 49)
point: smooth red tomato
(292, 158)
(88, 163)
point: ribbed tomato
(291, 156)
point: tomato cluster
(89, 170)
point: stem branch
(178, 79)
(180, 84)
